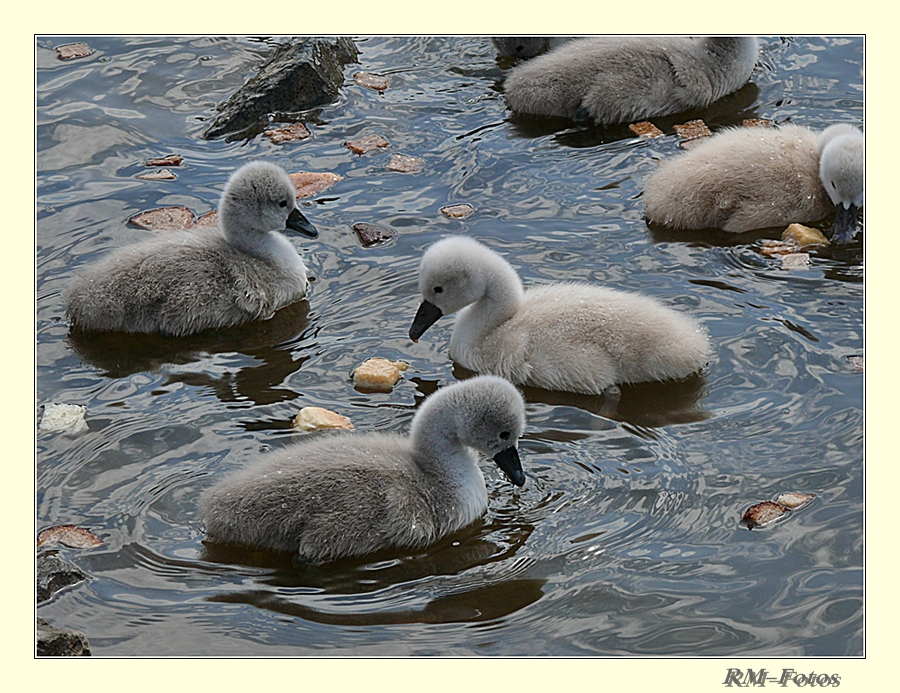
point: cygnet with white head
(621, 79)
(758, 177)
(349, 494)
(187, 281)
(571, 337)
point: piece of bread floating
(692, 132)
(67, 418)
(804, 236)
(378, 374)
(646, 130)
(316, 418)
(795, 237)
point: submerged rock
(58, 642)
(301, 74)
(371, 234)
(52, 574)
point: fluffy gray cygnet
(570, 337)
(349, 494)
(622, 79)
(187, 281)
(752, 178)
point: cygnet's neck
(435, 439)
(503, 293)
(738, 49)
(271, 246)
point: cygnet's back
(349, 494)
(623, 79)
(563, 336)
(185, 282)
(752, 178)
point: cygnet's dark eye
(505, 435)
(438, 290)
(282, 204)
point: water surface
(625, 539)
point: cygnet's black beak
(297, 222)
(426, 316)
(508, 461)
(844, 224)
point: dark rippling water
(625, 539)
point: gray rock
(52, 574)
(301, 74)
(57, 642)
(371, 234)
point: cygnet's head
(842, 151)
(488, 415)
(451, 276)
(260, 197)
(520, 46)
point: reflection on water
(480, 604)
(729, 110)
(270, 343)
(626, 538)
(644, 405)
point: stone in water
(308, 184)
(367, 79)
(289, 133)
(405, 164)
(175, 218)
(370, 234)
(161, 174)
(458, 211)
(367, 144)
(792, 500)
(69, 535)
(171, 160)
(71, 51)
(762, 514)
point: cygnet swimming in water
(187, 281)
(527, 46)
(622, 79)
(752, 178)
(350, 494)
(564, 336)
